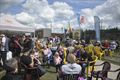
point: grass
(2, 73)
(51, 72)
(115, 55)
(111, 61)
(50, 75)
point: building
(43, 33)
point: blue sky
(80, 4)
(77, 5)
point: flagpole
(78, 18)
(70, 29)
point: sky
(57, 13)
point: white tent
(7, 22)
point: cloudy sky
(57, 13)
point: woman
(71, 67)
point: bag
(9, 55)
(40, 70)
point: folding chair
(114, 71)
(102, 73)
(69, 77)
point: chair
(69, 77)
(102, 73)
(90, 64)
(118, 76)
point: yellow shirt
(65, 56)
(97, 50)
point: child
(57, 61)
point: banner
(69, 29)
(82, 19)
(97, 27)
(78, 19)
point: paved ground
(113, 67)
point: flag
(82, 19)
(78, 19)
(69, 30)
(97, 27)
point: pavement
(111, 75)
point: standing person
(4, 48)
(17, 47)
(27, 43)
(57, 61)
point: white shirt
(57, 60)
(3, 44)
(9, 55)
(45, 52)
(71, 68)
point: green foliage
(110, 34)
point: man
(28, 43)
(4, 48)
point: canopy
(7, 22)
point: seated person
(71, 67)
(84, 59)
(11, 67)
(32, 66)
(98, 50)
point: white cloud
(40, 9)
(109, 13)
(48, 13)
(43, 14)
(39, 26)
(25, 18)
(35, 6)
(40, 13)
(62, 9)
(58, 25)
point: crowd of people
(68, 57)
